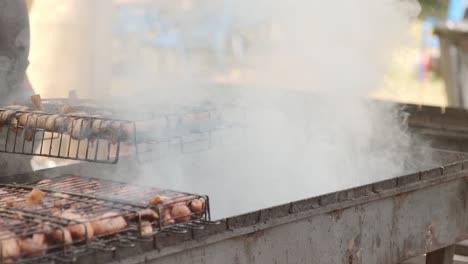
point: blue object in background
(456, 10)
(429, 40)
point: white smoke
(304, 127)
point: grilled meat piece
(35, 196)
(149, 214)
(196, 205)
(9, 200)
(109, 223)
(67, 108)
(146, 214)
(35, 246)
(181, 213)
(10, 246)
(81, 231)
(146, 229)
(166, 217)
(36, 101)
(158, 199)
(60, 199)
(78, 127)
(62, 236)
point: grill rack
(126, 205)
(32, 139)
(99, 138)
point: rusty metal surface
(390, 223)
(384, 222)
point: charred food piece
(36, 101)
(35, 196)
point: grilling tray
(63, 218)
(68, 216)
(81, 130)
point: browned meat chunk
(35, 196)
(10, 246)
(67, 108)
(146, 214)
(36, 101)
(181, 213)
(166, 217)
(9, 200)
(35, 246)
(196, 205)
(81, 231)
(109, 223)
(61, 236)
(158, 199)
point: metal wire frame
(74, 137)
(18, 225)
(98, 138)
(133, 194)
(42, 213)
(90, 198)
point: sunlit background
(76, 45)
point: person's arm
(14, 47)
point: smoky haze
(296, 123)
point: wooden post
(441, 256)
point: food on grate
(158, 199)
(178, 208)
(78, 124)
(97, 125)
(67, 108)
(83, 230)
(61, 199)
(166, 217)
(196, 205)
(10, 201)
(149, 214)
(181, 213)
(72, 211)
(78, 127)
(35, 246)
(61, 236)
(146, 214)
(29, 135)
(9, 244)
(109, 223)
(55, 212)
(146, 229)
(36, 101)
(35, 196)
(55, 123)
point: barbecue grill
(383, 222)
(99, 201)
(72, 216)
(97, 134)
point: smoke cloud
(295, 119)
